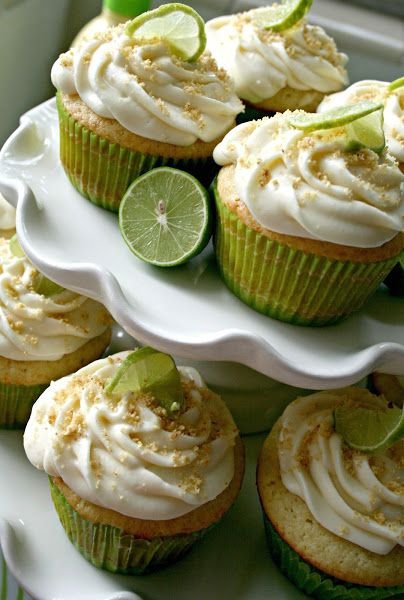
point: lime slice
(282, 16)
(366, 132)
(15, 247)
(178, 25)
(333, 118)
(395, 84)
(148, 370)
(165, 217)
(369, 430)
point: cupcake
(333, 515)
(276, 70)
(45, 332)
(393, 111)
(135, 485)
(306, 230)
(7, 218)
(127, 105)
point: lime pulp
(366, 132)
(165, 217)
(279, 17)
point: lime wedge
(46, 287)
(177, 25)
(366, 132)
(281, 16)
(395, 84)
(15, 247)
(148, 370)
(333, 118)
(165, 217)
(369, 430)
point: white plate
(187, 310)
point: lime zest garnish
(366, 132)
(149, 371)
(279, 17)
(177, 25)
(367, 429)
(333, 118)
(396, 84)
(165, 217)
(15, 247)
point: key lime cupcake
(131, 99)
(276, 66)
(333, 515)
(306, 229)
(45, 332)
(143, 459)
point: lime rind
(149, 371)
(369, 430)
(336, 117)
(176, 234)
(366, 132)
(397, 83)
(279, 17)
(177, 25)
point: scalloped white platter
(187, 310)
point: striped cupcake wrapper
(110, 548)
(288, 284)
(315, 583)
(102, 171)
(16, 403)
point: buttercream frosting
(7, 214)
(262, 62)
(123, 452)
(308, 185)
(148, 90)
(356, 496)
(393, 113)
(37, 327)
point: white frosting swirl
(393, 113)
(352, 494)
(308, 186)
(147, 90)
(36, 327)
(263, 62)
(123, 453)
(7, 214)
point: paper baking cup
(16, 403)
(102, 171)
(110, 548)
(315, 583)
(288, 284)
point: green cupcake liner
(102, 171)
(16, 403)
(112, 549)
(314, 582)
(288, 284)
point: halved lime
(15, 247)
(178, 25)
(333, 118)
(396, 84)
(369, 430)
(148, 370)
(165, 217)
(281, 16)
(366, 132)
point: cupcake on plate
(127, 105)
(135, 484)
(306, 230)
(7, 218)
(276, 70)
(45, 332)
(393, 112)
(333, 515)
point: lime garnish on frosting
(366, 132)
(177, 25)
(369, 430)
(149, 371)
(396, 84)
(280, 16)
(333, 118)
(15, 247)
